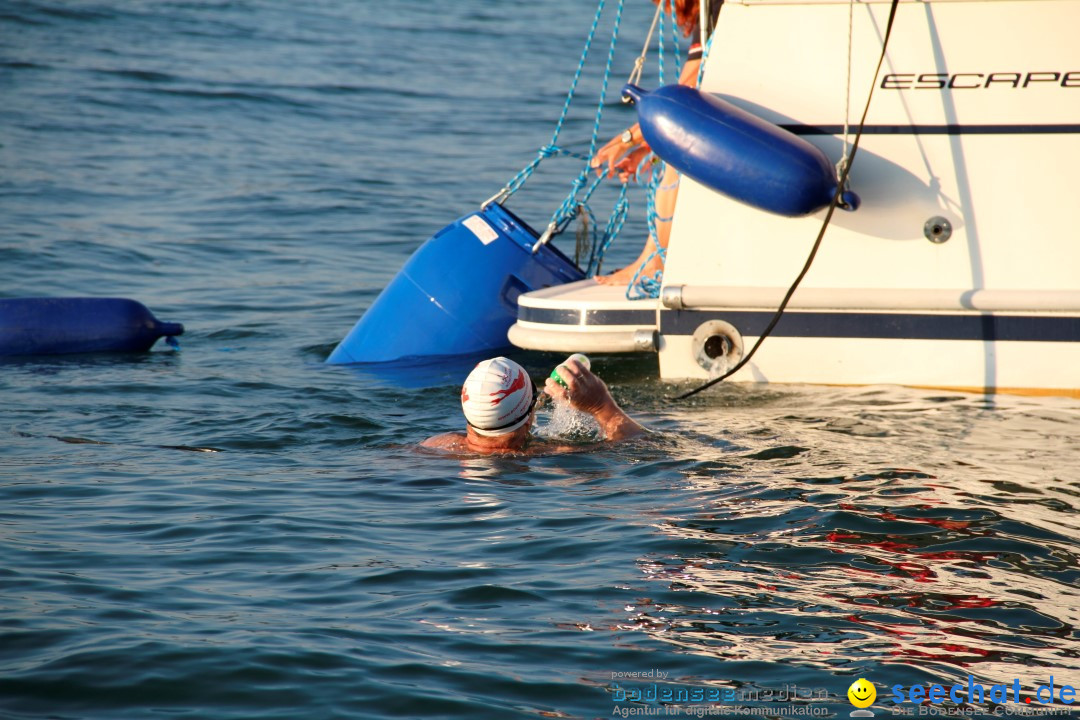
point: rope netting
(594, 241)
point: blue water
(239, 531)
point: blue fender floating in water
(458, 292)
(58, 326)
(735, 152)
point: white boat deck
(585, 316)
(585, 295)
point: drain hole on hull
(717, 347)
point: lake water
(237, 530)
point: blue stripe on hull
(574, 316)
(795, 323)
(922, 326)
(999, 129)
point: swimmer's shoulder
(446, 441)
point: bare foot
(619, 277)
(626, 275)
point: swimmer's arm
(617, 425)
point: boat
(961, 267)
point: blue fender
(58, 326)
(458, 292)
(735, 152)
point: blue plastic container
(58, 326)
(734, 152)
(458, 292)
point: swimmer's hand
(586, 392)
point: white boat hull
(974, 128)
(978, 366)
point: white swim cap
(497, 397)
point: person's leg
(666, 195)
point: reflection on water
(828, 555)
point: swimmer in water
(499, 401)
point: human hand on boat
(614, 150)
(608, 155)
(630, 166)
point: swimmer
(499, 401)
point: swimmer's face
(862, 693)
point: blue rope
(552, 148)
(675, 42)
(645, 286)
(593, 237)
(704, 57)
(545, 152)
(607, 76)
(572, 205)
(567, 210)
(660, 52)
(611, 231)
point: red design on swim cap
(518, 384)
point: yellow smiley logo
(862, 693)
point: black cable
(821, 235)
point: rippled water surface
(238, 531)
